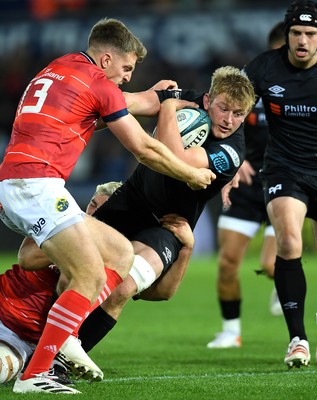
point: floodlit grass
(158, 350)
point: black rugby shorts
(285, 183)
(248, 204)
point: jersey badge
(220, 161)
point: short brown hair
(109, 32)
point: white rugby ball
(194, 125)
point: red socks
(65, 318)
(66, 314)
(113, 280)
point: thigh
(163, 242)
(75, 253)
(115, 249)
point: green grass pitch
(158, 350)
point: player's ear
(105, 60)
(206, 101)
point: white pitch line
(205, 376)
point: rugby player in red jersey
(56, 116)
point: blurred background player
(285, 78)
(239, 223)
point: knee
(289, 246)
(142, 273)
(228, 267)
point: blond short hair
(110, 32)
(235, 85)
(107, 188)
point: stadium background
(186, 41)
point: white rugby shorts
(247, 228)
(38, 207)
(25, 349)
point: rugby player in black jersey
(238, 224)
(140, 204)
(286, 80)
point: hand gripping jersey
(289, 99)
(56, 117)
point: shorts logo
(273, 189)
(37, 227)
(305, 17)
(61, 204)
(167, 255)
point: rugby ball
(194, 125)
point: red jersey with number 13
(57, 116)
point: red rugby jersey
(25, 299)
(56, 117)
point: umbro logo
(290, 305)
(167, 254)
(276, 90)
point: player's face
(226, 118)
(120, 67)
(96, 202)
(302, 51)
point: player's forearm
(144, 103)
(162, 159)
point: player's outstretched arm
(147, 103)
